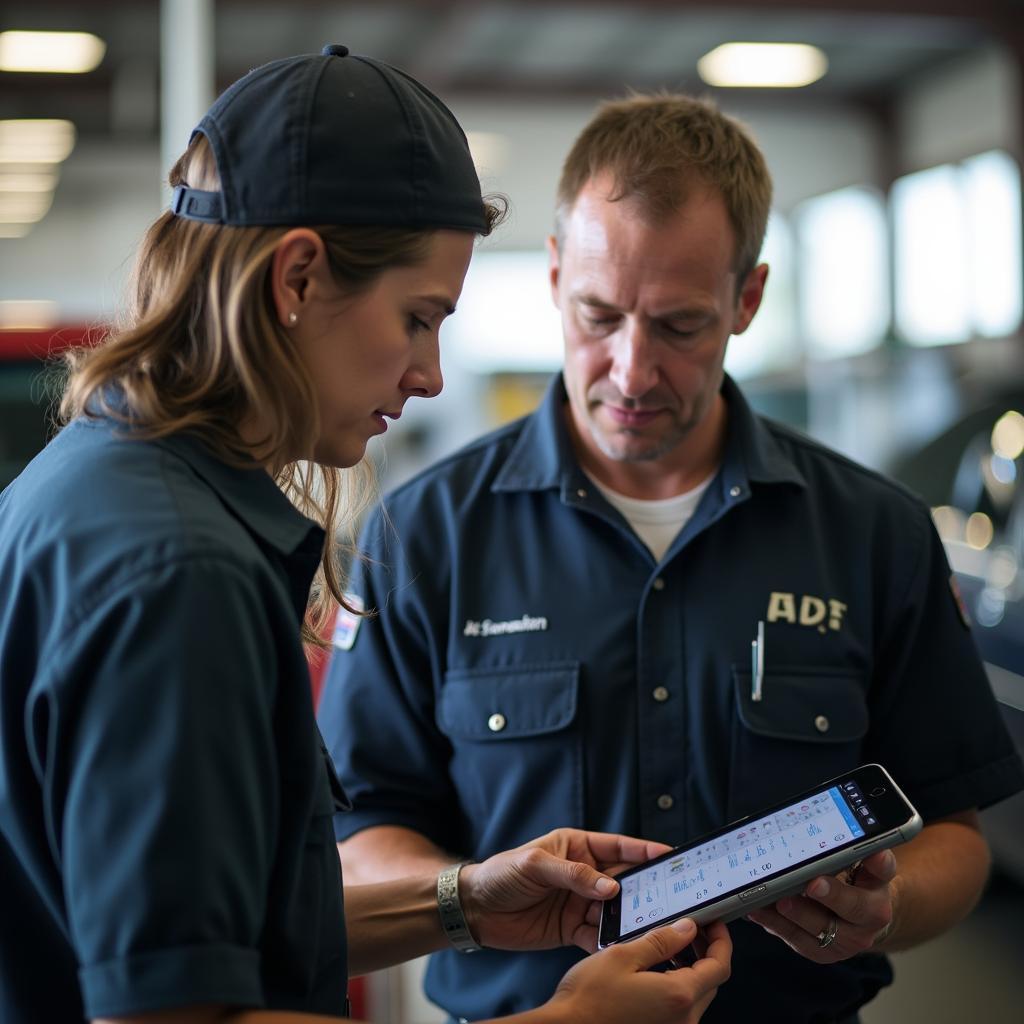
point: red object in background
(20, 345)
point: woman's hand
(617, 984)
(548, 892)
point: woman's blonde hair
(199, 349)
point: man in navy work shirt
(566, 607)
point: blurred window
(957, 234)
(770, 343)
(506, 319)
(993, 191)
(843, 272)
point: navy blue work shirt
(533, 666)
(165, 799)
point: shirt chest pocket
(809, 725)
(517, 751)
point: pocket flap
(499, 704)
(824, 705)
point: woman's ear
(299, 261)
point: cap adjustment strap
(195, 204)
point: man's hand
(854, 908)
(548, 892)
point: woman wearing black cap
(166, 841)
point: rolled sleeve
(156, 746)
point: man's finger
(867, 904)
(879, 866)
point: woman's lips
(381, 416)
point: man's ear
(749, 300)
(299, 260)
(553, 268)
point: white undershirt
(656, 523)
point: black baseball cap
(335, 138)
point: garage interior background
(892, 324)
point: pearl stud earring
(293, 319)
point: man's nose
(634, 371)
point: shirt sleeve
(153, 731)
(377, 707)
(936, 723)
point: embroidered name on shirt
(811, 611)
(527, 624)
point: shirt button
(581, 492)
(658, 584)
(821, 723)
(665, 802)
(496, 722)
(660, 694)
(735, 492)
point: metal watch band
(453, 921)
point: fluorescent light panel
(41, 141)
(762, 65)
(71, 53)
(24, 207)
(26, 179)
(28, 314)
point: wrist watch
(453, 921)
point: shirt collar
(251, 495)
(543, 458)
(751, 447)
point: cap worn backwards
(335, 138)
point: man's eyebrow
(593, 300)
(693, 313)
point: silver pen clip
(757, 664)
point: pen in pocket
(757, 664)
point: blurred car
(973, 477)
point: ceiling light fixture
(28, 314)
(42, 141)
(762, 65)
(24, 207)
(68, 53)
(24, 180)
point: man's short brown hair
(656, 148)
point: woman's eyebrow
(441, 301)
